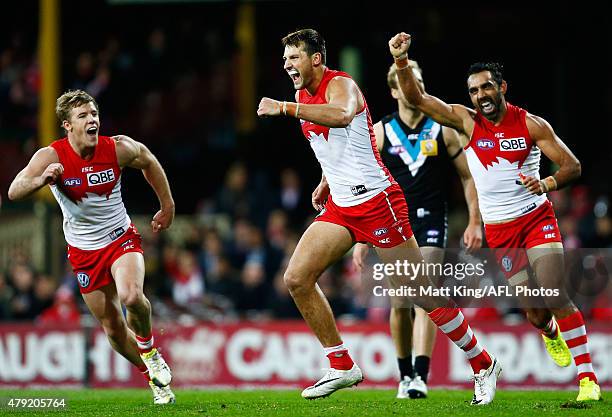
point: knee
(132, 297)
(298, 283)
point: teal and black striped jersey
(418, 160)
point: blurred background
(185, 78)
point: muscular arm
(133, 154)
(553, 147)
(343, 101)
(44, 168)
(452, 115)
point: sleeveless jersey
(348, 155)
(89, 194)
(496, 155)
(418, 160)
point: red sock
(145, 344)
(574, 332)
(339, 357)
(144, 371)
(451, 322)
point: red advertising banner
(276, 354)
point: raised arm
(44, 168)
(452, 115)
(553, 147)
(133, 154)
(343, 101)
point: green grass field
(346, 403)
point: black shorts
(430, 226)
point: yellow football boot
(589, 391)
(558, 350)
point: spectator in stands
(22, 302)
(64, 309)
(6, 293)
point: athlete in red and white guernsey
(358, 201)
(104, 248)
(504, 157)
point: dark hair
(495, 68)
(313, 42)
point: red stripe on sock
(570, 322)
(340, 360)
(144, 339)
(480, 361)
(589, 375)
(144, 371)
(580, 340)
(472, 343)
(584, 358)
(443, 315)
(459, 332)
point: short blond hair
(70, 100)
(392, 74)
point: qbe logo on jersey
(102, 177)
(513, 144)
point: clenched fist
(269, 107)
(319, 195)
(399, 44)
(162, 219)
(52, 173)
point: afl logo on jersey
(102, 177)
(72, 182)
(485, 144)
(396, 150)
(83, 279)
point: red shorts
(382, 220)
(513, 238)
(93, 267)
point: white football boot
(485, 383)
(159, 371)
(332, 381)
(402, 388)
(417, 388)
(162, 395)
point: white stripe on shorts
(393, 213)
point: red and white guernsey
(89, 194)
(496, 155)
(348, 155)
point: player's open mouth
(92, 130)
(294, 74)
(487, 106)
